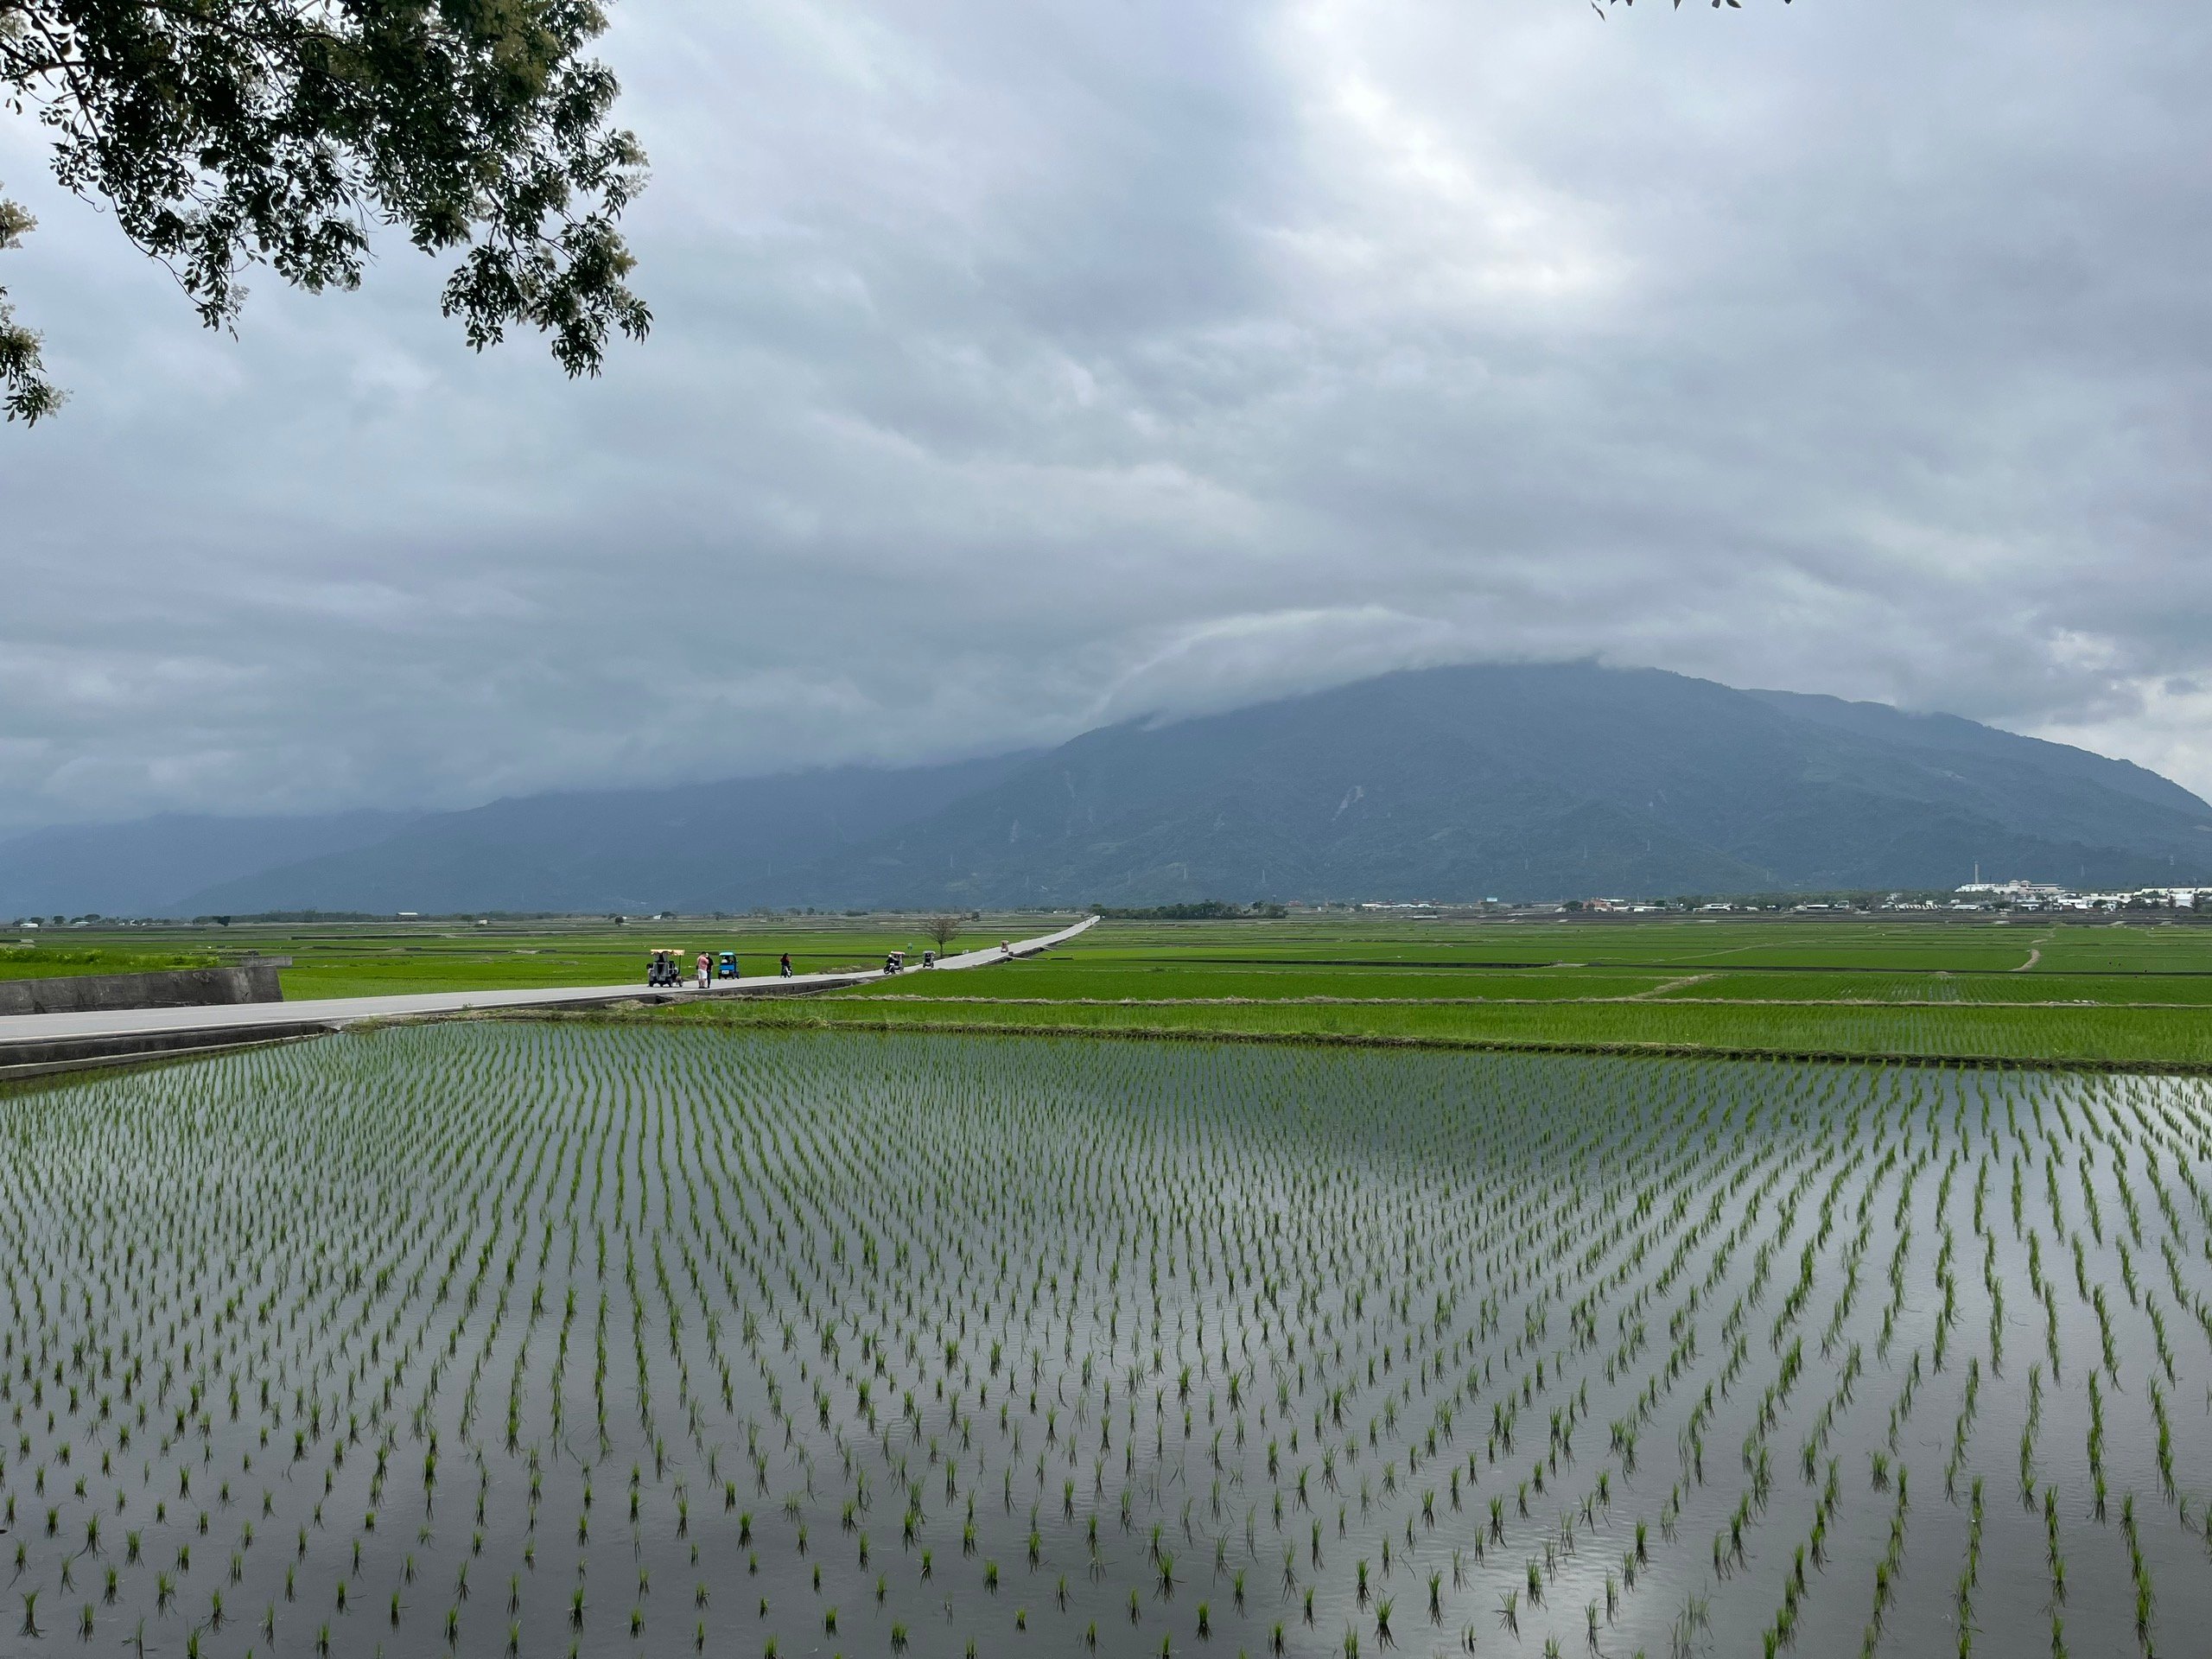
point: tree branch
(228, 133)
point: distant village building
(2038, 895)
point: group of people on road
(665, 968)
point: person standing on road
(705, 964)
(785, 966)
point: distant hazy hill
(1519, 781)
(627, 851)
(145, 868)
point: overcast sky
(1020, 365)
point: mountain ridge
(1516, 781)
(1540, 781)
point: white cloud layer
(1023, 365)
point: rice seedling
(1001, 1293)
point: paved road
(245, 1021)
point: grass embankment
(33, 962)
(2125, 1036)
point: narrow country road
(28, 1039)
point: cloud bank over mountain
(1022, 368)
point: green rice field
(2078, 991)
(2139, 996)
(404, 957)
(656, 1338)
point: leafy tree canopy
(227, 133)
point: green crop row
(2096, 1035)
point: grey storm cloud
(1020, 366)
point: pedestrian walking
(785, 965)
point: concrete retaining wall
(189, 988)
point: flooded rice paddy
(534, 1340)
